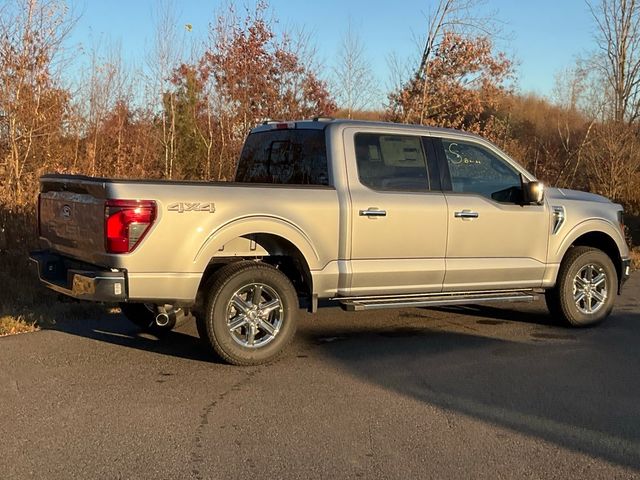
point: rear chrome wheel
(251, 313)
(255, 315)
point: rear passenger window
(288, 156)
(391, 162)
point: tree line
(186, 116)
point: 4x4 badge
(182, 207)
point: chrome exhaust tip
(167, 316)
(163, 319)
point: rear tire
(144, 316)
(250, 315)
(585, 289)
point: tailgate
(72, 213)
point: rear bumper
(79, 280)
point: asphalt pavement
(466, 392)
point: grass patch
(11, 325)
(47, 314)
(27, 306)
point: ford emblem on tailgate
(66, 211)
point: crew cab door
(398, 215)
(493, 241)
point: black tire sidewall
(216, 317)
(553, 302)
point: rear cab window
(284, 157)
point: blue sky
(543, 36)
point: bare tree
(108, 84)
(32, 104)
(399, 70)
(618, 40)
(613, 161)
(450, 16)
(355, 84)
(570, 86)
(166, 56)
(576, 119)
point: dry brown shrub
(635, 258)
(12, 325)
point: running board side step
(355, 304)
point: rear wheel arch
(275, 232)
(280, 253)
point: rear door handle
(373, 212)
(466, 214)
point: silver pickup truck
(370, 215)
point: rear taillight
(126, 223)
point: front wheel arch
(601, 241)
(595, 233)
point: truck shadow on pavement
(117, 330)
(508, 367)
(575, 388)
(502, 314)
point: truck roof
(320, 123)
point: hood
(566, 194)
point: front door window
(474, 169)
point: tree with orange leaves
(256, 75)
(458, 87)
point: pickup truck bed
(187, 231)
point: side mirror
(532, 192)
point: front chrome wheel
(585, 288)
(254, 315)
(590, 289)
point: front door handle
(466, 214)
(373, 212)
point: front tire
(251, 313)
(585, 289)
